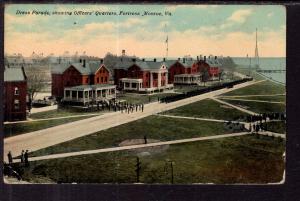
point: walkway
(113, 149)
(257, 95)
(251, 100)
(234, 106)
(53, 118)
(200, 119)
(51, 136)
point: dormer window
(16, 91)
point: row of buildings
(84, 81)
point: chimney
(197, 58)
(101, 60)
(183, 60)
(143, 59)
(215, 57)
(164, 59)
(123, 52)
(204, 58)
(134, 60)
(154, 59)
(80, 60)
(179, 59)
(83, 65)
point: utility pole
(172, 169)
(137, 170)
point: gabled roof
(145, 65)
(90, 67)
(14, 75)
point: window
(101, 79)
(105, 79)
(17, 104)
(16, 91)
(87, 80)
(98, 79)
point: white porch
(89, 93)
(187, 79)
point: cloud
(240, 15)
(237, 17)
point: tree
(35, 80)
(205, 75)
(221, 74)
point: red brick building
(76, 74)
(142, 76)
(15, 93)
(181, 66)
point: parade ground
(205, 137)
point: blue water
(278, 63)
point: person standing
(145, 139)
(10, 158)
(142, 107)
(26, 159)
(22, 156)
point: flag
(167, 39)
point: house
(15, 93)
(189, 71)
(212, 65)
(180, 67)
(142, 76)
(76, 74)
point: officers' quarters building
(82, 82)
(15, 93)
(142, 76)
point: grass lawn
(154, 127)
(207, 109)
(244, 159)
(59, 113)
(263, 98)
(262, 88)
(276, 126)
(20, 128)
(259, 107)
(142, 98)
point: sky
(227, 30)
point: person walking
(22, 156)
(142, 107)
(26, 159)
(10, 158)
(145, 139)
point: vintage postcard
(144, 94)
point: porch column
(65, 94)
(167, 80)
(151, 80)
(123, 85)
(83, 95)
(159, 79)
(77, 95)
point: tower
(256, 57)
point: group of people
(23, 157)
(124, 107)
(130, 108)
(266, 116)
